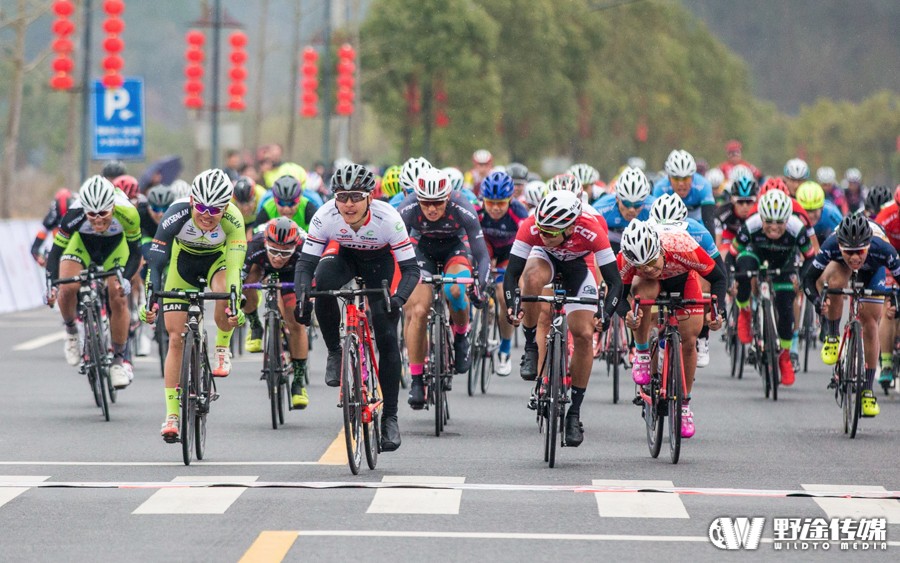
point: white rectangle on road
(638, 505)
(40, 341)
(856, 507)
(195, 500)
(417, 501)
(9, 493)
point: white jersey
(384, 228)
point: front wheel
(351, 401)
(856, 378)
(674, 391)
(273, 366)
(372, 429)
(187, 397)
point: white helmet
(585, 173)
(668, 209)
(97, 194)
(826, 175)
(853, 175)
(212, 188)
(640, 242)
(482, 156)
(558, 210)
(739, 171)
(433, 184)
(632, 186)
(680, 164)
(564, 182)
(775, 205)
(715, 177)
(180, 189)
(412, 169)
(455, 177)
(796, 169)
(535, 192)
(498, 168)
(637, 162)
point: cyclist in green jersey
(287, 201)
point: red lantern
(113, 25)
(195, 37)
(346, 79)
(62, 27)
(441, 119)
(62, 81)
(113, 80)
(194, 54)
(193, 69)
(193, 102)
(238, 39)
(63, 8)
(237, 72)
(113, 63)
(114, 7)
(63, 64)
(62, 45)
(309, 84)
(113, 44)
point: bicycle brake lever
(387, 295)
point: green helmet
(810, 195)
(390, 182)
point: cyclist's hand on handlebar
(514, 320)
(235, 319)
(890, 312)
(125, 288)
(303, 312)
(601, 322)
(51, 296)
(148, 315)
(714, 323)
(633, 322)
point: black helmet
(518, 172)
(113, 169)
(286, 188)
(854, 231)
(243, 189)
(878, 196)
(352, 177)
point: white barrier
(21, 279)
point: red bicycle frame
(356, 321)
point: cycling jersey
(148, 225)
(50, 224)
(284, 169)
(701, 194)
(798, 211)
(608, 208)
(397, 199)
(778, 252)
(699, 233)
(881, 255)
(312, 195)
(828, 221)
(77, 240)
(727, 222)
(259, 193)
(302, 216)
(835, 195)
(500, 233)
(459, 218)
(257, 256)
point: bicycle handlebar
(89, 274)
(755, 273)
(674, 301)
(269, 285)
(436, 280)
(350, 293)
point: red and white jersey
(384, 228)
(889, 220)
(589, 237)
(681, 254)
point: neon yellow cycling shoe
(299, 396)
(254, 340)
(830, 350)
(869, 404)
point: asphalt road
(74, 487)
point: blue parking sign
(118, 121)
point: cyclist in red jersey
(655, 260)
(889, 220)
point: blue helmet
(744, 187)
(498, 185)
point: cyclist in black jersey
(62, 200)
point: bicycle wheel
(653, 415)
(856, 377)
(372, 429)
(807, 332)
(772, 348)
(437, 391)
(405, 376)
(475, 345)
(96, 354)
(105, 361)
(490, 343)
(674, 394)
(205, 395)
(351, 401)
(188, 395)
(272, 362)
(615, 354)
(555, 407)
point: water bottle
(660, 354)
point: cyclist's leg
(119, 315)
(458, 265)
(506, 329)
(335, 269)
(74, 258)
(784, 301)
(251, 307)
(886, 331)
(745, 262)
(298, 346)
(539, 271)
(837, 275)
(870, 316)
(690, 329)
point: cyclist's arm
(235, 245)
(161, 247)
(614, 286)
(716, 279)
(518, 254)
(68, 225)
(310, 211)
(128, 215)
(405, 255)
(514, 270)
(476, 239)
(708, 214)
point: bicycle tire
(857, 377)
(188, 395)
(205, 390)
(652, 415)
(475, 347)
(554, 393)
(273, 365)
(93, 335)
(351, 398)
(615, 356)
(446, 374)
(105, 361)
(405, 376)
(437, 351)
(491, 333)
(372, 429)
(772, 347)
(674, 395)
(806, 332)
(895, 369)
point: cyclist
(889, 220)
(878, 197)
(102, 227)
(631, 199)
(519, 174)
(371, 240)
(436, 218)
(534, 192)
(733, 213)
(670, 212)
(654, 260)
(682, 178)
(60, 205)
(275, 251)
(500, 219)
(796, 171)
(482, 161)
(390, 183)
(200, 241)
(852, 247)
(180, 189)
(734, 157)
(559, 239)
(854, 190)
(409, 176)
(828, 180)
(458, 185)
(287, 201)
(247, 197)
(113, 169)
(775, 236)
(823, 215)
(588, 177)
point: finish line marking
(40, 341)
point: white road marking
(856, 507)
(9, 493)
(151, 463)
(638, 505)
(40, 341)
(417, 501)
(195, 500)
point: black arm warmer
(511, 279)
(610, 273)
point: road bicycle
(276, 357)
(197, 387)
(550, 396)
(808, 332)
(97, 349)
(849, 379)
(360, 393)
(484, 337)
(765, 345)
(663, 397)
(613, 349)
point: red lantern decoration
(113, 62)
(114, 7)
(193, 70)
(237, 89)
(114, 25)
(441, 119)
(113, 44)
(309, 84)
(346, 79)
(62, 64)
(63, 8)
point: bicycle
(613, 349)
(736, 350)
(849, 379)
(551, 390)
(197, 387)
(438, 371)
(808, 333)
(484, 339)
(663, 396)
(96, 352)
(360, 394)
(276, 365)
(765, 344)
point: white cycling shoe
(504, 365)
(118, 375)
(702, 352)
(72, 349)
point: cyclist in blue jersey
(696, 192)
(456, 183)
(824, 216)
(631, 200)
(670, 212)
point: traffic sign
(118, 121)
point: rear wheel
(475, 345)
(772, 348)
(372, 429)
(674, 397)
(351, 401)
(856, 378)
(188, 395)
(555, 407)
(615, 354)
(93, 335)
(205, 392)
(653, 416)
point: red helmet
(127, 184)
(897, 194)
(774, 183)
(63, 199)
(282, 230)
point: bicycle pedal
(214, 397)
(638, 400)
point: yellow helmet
(810, 195)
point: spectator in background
(855, 192)
(833, 192)
(233, 163)
(263, 163)
(734, 152)
(251, 172)
(482, 162)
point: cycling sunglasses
(680, 178)
(550, 234)
(287, 202)
(432, 202)
(496, 201)
(346, 196)
(767, 222)
(632, 205)
(744, 201)
(157, 209)
(855, 251)
(208, 209)
(99, 214)
(279, 252)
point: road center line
(269, 547)
(336, 454)
(40, 341)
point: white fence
(21, 279)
